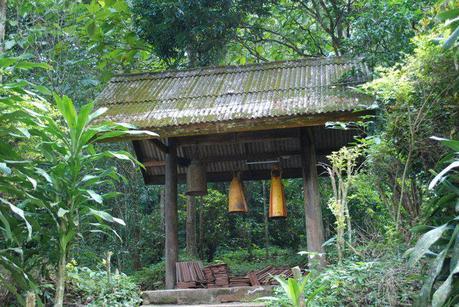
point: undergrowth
(96, 288)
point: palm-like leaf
(49, 179)
(447, 256)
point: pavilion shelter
(236, 118)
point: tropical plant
(100, 288)
(295, 288)
(442, 242)
(379, 281)
(450, 16)
(343, 169)
(49, 173)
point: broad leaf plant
(49, 179)
(441, 240)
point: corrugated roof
(221, 94)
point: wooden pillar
(312, 209)
(170, 214)
(191, 247)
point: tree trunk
(60, 281)
(3, 8)
(348, 218)
(191, 247)
(137, 263)
(265, 212)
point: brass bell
(196, 179)
(237, 202)
(277, 204)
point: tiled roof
(218, 94)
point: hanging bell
(277, 204)
(236, 197)
(196, 179)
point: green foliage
(151, 277)
(442, 241)
(108, 28)
(94, 288)
(380, 282)
(87, 42)
(295, 288)
(382, 30)
(418, 99)
(198, 29)
(53, 189)
(343, 169)
(449, 14)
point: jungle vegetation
(67, 237)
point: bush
(384, 282)
(151, 277)
(93, 288)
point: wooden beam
(312, 209)
(252, 157)
(160, 145)
(170, 214)
(262, 156)
(226, 176)
(165, 149)
(239, 137)
(268, 123)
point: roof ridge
(228, 69)
(342, 85)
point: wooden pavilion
(232, 117)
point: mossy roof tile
(213, 94)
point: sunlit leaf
(96, 197)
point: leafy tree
(343, 169)
(418, 100)
(378, 30)
(196, 30)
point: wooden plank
(170, 212)
(253, 279)
(313, 211)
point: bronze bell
(196, 179)
(277, 204)
(236, 198)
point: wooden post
(170, 214)
(191, 247)
(312, 209)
